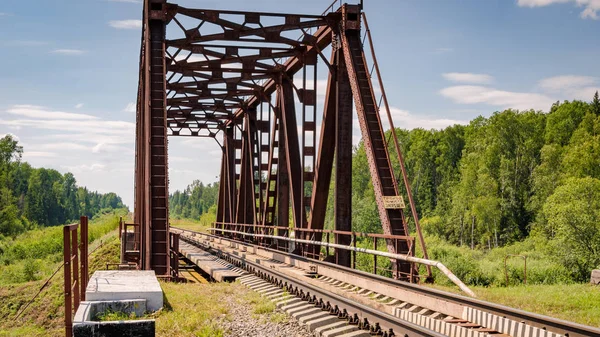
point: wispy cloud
(79, 106)
(69, 146)
(443, 50)
(34, 111)
(471, 94)
(407, 120)
(5, 14)
(96, 167)
(571, 86)
(590, 11)
(68, 51)
(38, 154)
(126, 24)
(566, 82)
(468, 78)
(130, 107)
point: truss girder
(249, 81)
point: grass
(45, 316)
(193, 309)
(260, 305)
(190, 224)
(572, 302)
(35, 254)
(110, 315)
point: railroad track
(407, 309)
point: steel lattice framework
(250, 81)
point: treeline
(195, 200)
(39, 197)
(502, 179)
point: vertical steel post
(343, 159)
(294, 166)
(67, 282)
(84, 241)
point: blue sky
(69, 72)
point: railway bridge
(278, 93)
(250, 81)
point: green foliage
(573, 214)
(39, 197)
(194, 201)
(497, 182)
(33, 254)
(111, 315)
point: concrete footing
(130, 292)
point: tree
(595, 106)
(573, 215)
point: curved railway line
(376, 304)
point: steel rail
(556, 325)
(386, 321)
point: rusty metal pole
(75, 264)
(67, 281)
(343, 159)
(375, 256)
(84, 241)
(397, 147)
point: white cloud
(37, 154)
(470, 94)
(130, 107)
(96, 167)
(468, 78)
(126, 24)
(91, 126)
(34, 111)
(63, 146)
(407, 120)
(79, 106)
(566, 82)
(590, 11)
(68, 51)
(571, 86)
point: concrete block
(595, 278)
(138, 328)
(115, 285)
(88, 311)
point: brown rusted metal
(174, 255)
(83, 249)
(242, 74)
(343, 160)
(75, 267)
(413, 207)
(376, 150)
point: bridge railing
(76, 274)
(255, 234)
(252, 236)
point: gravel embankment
(242, 321)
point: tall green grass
(36, 253)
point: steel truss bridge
(278, 93)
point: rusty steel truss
(251, 81)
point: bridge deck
(208, 263)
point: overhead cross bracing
(263, 85)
